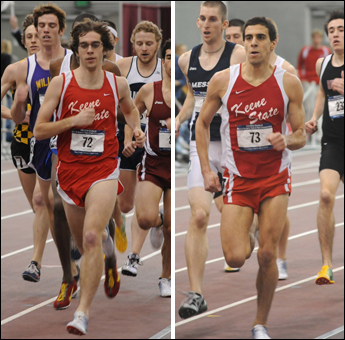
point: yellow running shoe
(121, 241)
(325, 276)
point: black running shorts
(332, 156)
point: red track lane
(136, 312)
(301, 311)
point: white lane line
(162, 333)
(25, 212)
(241, 302)
(11, 190)
(47, 302)
(331, 333)
(6, 172)
(22, 250)
(256, 248)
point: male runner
(199, 65)
(87, 172)
(61, 229)
(32, 78)
(330, 105)
(234, 32)
(256, 98)
(155, 169)
(139, 70)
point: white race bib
(336, 107)
(87, 142)
(164, 140)
(253, 137)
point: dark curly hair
(87, 26)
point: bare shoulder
(111, 67)
(219, 83)
(292, 85)
(238, 55)
(183, 61)
(318, 65)
(290, 68)
(146, 89)
(124, 64)
(55, 66)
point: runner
(32, 78)
(330, 104)
(88, 195)
(155, 169)
(256, 97)
(199, 65)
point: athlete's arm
(188, 105)
(7, 81)
(238, 55)
(215, 92)
(290, 68)
(142, 98)
(311, 125)
(111, 67)
(19, 106)
(297, 139)
(54, 67)
(130, 111)
(124, 65)
(44, 128)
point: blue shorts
(40, 158)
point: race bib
(336, 107)
(164, 139)
(87, 142)
(253, 137)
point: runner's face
(90, 56)
(336, 34)
(257, 44)
(167, 62)
(48, 30)
(145, 46)
(210, 24)
(32, 43)
(234, 35)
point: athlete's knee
(146, 221)
(38, 201)
(200, 217)
(91, 240)
(125, 206)
(234, 259)
(326, 197)
(266, 256)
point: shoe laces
(133, 258)
(192, 297)
(32, 268)
(64, 288)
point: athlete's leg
(234, 232)
(196, 244)
(99, 205)
(28, 182)
(61, 230)
(329, 180)
(166, 248)
(282, 245)
(147, 205)
(129, 180)
(272, 216)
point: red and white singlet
(97, 141)
(249, 114)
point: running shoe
(325, 276)
(194, 304)
(156, 234)
(111, 281)
(32, 273)
(130, 268)
(79, 324)
(229, 269)
(121, 241)
(260, 332)
(63, 300)
(165, 287)
(282, 269)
